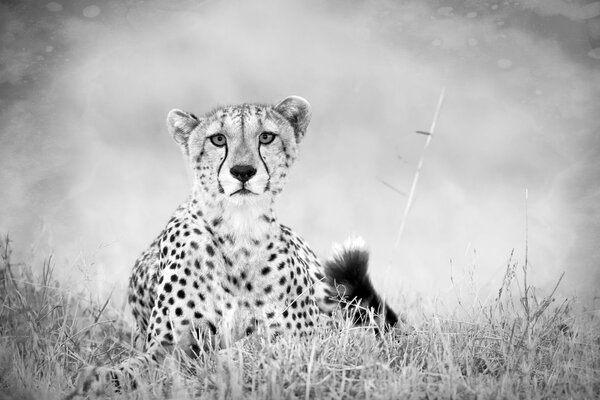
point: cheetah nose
(243, 173)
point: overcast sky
(88, 171)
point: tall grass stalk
(413, 187)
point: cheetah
(224, 266)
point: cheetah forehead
(245, 119)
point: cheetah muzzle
(223, 266)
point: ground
(503, 348)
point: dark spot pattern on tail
(347, 272)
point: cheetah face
(241, 154)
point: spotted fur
(224, 266)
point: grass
(518, 345)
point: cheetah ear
(296, 111)
(180, 125)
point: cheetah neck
(242, 222)
(247, 222)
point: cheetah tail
(347, 274)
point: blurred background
(89, 174)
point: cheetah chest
(256, 286)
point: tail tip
(351, 245)
(349, 261)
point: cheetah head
(241, 154)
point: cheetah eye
(266, 137)
(218, 140)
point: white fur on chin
(243, 215)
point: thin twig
(103, 307)
(420, 165)
(392, 187)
